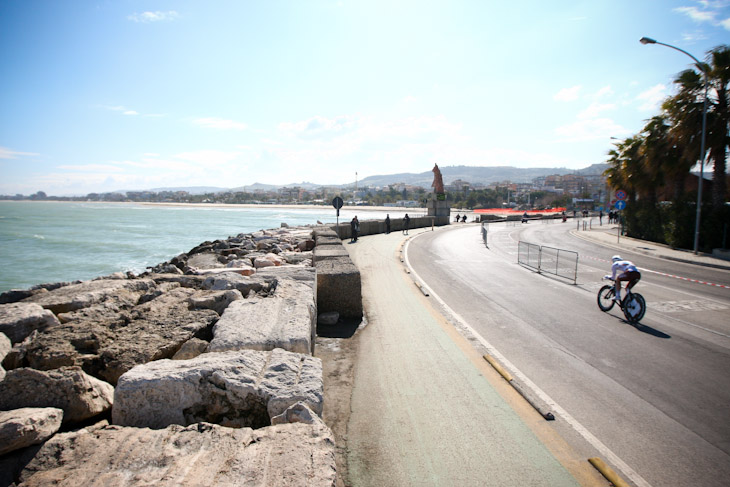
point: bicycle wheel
(634, 307)
(605, 298)
(642, 306)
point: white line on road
(625, 469)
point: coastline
(401, 209)
(395, 209)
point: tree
(685, 109)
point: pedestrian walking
(406, 224)
(387, 224)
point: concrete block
(329, 252)
(339, 287)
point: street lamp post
(647, 40)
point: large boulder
(191, 349)
(268, 260)
(245, 388)
(18, 320)
(84, 294)
(108, 342)
(27, 426)
(231, 280)
(286, 455)
(79, 395)
(286, 319)
(218, 301)
(204, 260)
(5, 347)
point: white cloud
(219, 123)
(318, 126)
(696, 14)
(208, 157)
(709, 12)
(590, 129)
(157, 16)
(652, 98)
(568, 94)
(6, 153)
(91, 168)
(595, 109)
(120, 108)
(605, 91)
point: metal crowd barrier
(529, 255)
(562, 263)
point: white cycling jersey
(621, 267)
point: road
(653, 400)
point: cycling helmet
(616, 258)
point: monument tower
(437, 205)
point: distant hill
(191, 189)
(477, 174)
(472, 174)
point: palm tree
(685, 109)
(663, 159)
(626, 169)
(719, 120)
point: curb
(583, 236)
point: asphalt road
(652, 400)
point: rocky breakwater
(199, 371)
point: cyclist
(622, 270)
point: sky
(100, 96)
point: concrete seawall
(372, 227)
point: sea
(47, 241)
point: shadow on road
(650, 331)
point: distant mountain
(191, 189)
(477, 174)
(472, 174)
(593, 170)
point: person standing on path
(406, 224)
(387, 224)
(354, 229)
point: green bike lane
(425, 410)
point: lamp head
(647, 40)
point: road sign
(337, 202)
(621, 194)
(620, 205)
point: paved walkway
(425, 410)
(608, 235)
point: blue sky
(109, 95)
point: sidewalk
(424, 411)
(607, 235)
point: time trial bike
(633, 304)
